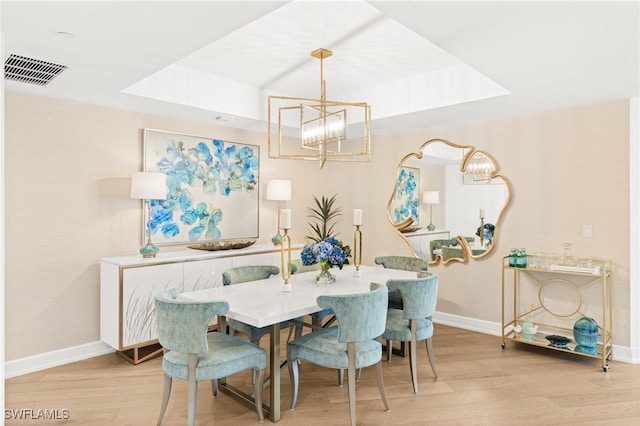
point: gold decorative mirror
(448, 202)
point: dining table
(263, 303)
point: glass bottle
(513, 258)
(522, 258)
(567, 259)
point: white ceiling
(417, 63)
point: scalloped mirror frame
(468, 153)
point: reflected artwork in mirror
(473, 198)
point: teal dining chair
(405, 263)
(241, 274)
(193, 354)
(316, 317)
(350, 345)
(413, 323)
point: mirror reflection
(448, 201)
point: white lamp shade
(149, 186)
(279, 190)
(431, 197)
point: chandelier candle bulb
(285, 218)
(357, 216)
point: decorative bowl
(222, 245)
(558, 341)
(410, 229)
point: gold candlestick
(482, 232)
(286, 272)
(357, 250)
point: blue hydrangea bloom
(328, 251)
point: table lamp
(149, 186)
(431, 198)
(278, 190)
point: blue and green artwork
(406, 198)
(212, 188)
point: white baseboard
(43, 361)
(46, 360)
(466, 323)
(620, 353)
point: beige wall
(68, 167)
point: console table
(129, 284)
(420, 241)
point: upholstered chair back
(182, 324)
(241, 274)
(361, 316)
(419, 295)
(405, 263)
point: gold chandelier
(318, 129)
(479, 168)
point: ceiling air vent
(30, 70)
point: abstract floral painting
(406, 198)
(212, 188)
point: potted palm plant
(325, 250)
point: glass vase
(325, 276)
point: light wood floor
(479, 384)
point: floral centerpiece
(326, 253)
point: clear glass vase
(325, 276)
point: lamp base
(276, 239)
(431, 227)
(149, 250)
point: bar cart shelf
(551, 300)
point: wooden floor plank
(479, 383)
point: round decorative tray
(558, 341)
(222, 245)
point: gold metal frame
(329, 148)
(285, 247)
(511, 316)
(357, 247)
(469, 151)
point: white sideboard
(129, 284)
(420, 241)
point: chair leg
(351, 377)
(293, 376)
(298, 330)
(165, 397)
(253, 371)
(340, 377)
(432, 361)
(192, 392)
(383, 394)
(389, 349)
(214, 387)
(412, 357)
(258, 391)
(358, 374)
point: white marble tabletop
(262, 303)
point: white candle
(481, 213)
(357, 216)
(285, 219)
